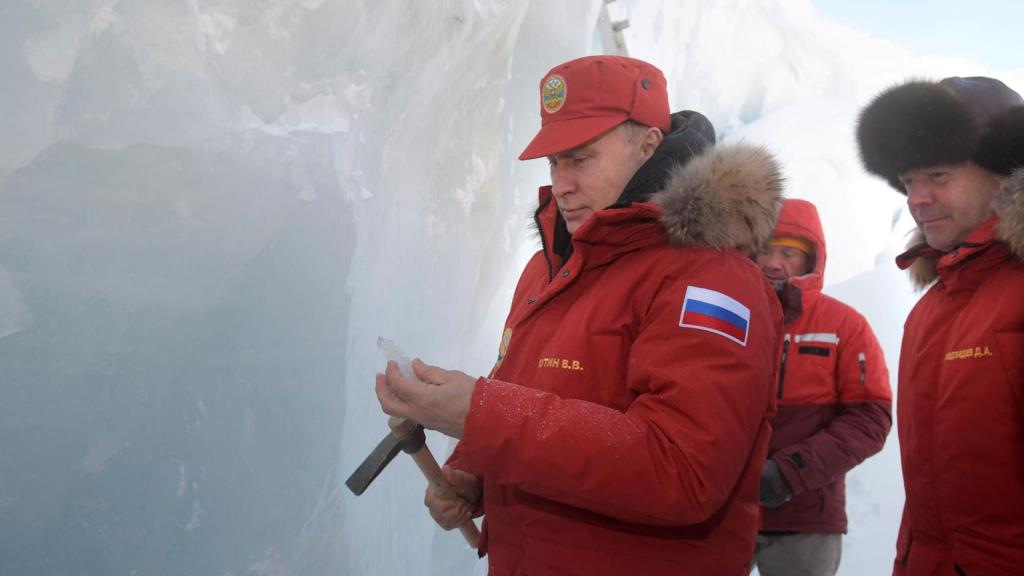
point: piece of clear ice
(392, 352)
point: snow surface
(211, 209)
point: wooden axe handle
(428, 465)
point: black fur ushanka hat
(920, 123)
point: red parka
(960, 408)
(834, 399)
(625, 425)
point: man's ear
(652, 139)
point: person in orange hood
(834, 405)
(955, 148)
(625, 424)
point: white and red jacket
(834, 399)
(624, 428)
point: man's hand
(453, 512)
(775, 491)
(441, 404)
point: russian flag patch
(713, 311)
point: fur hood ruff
(727, 197)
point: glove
(775, 491)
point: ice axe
(406, 436)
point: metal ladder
(610, 31)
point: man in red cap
(955, 148)
(834, 405)
(625, 423)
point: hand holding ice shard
(406, 436)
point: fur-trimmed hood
(923, 261)
(727, 197)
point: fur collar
(727, 197)
(924, 269)
(1009, 208)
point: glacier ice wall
(210, 209)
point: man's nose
(918, 194)
(772, 262)
(768, 261)
(562, 182)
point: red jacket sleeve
(676, 454)
(864, 414)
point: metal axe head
(385, 451)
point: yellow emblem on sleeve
(506, 337)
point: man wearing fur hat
(625, 424)
(834, 405)
(952, 147)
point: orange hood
(799, 219)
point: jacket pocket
(978, 554)
(1011, 356)
(546, 557)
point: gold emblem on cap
(552, 93)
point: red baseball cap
(584, 98)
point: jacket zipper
(863, 367)
(782, 365)
(543, 242)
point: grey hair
(633, 130)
